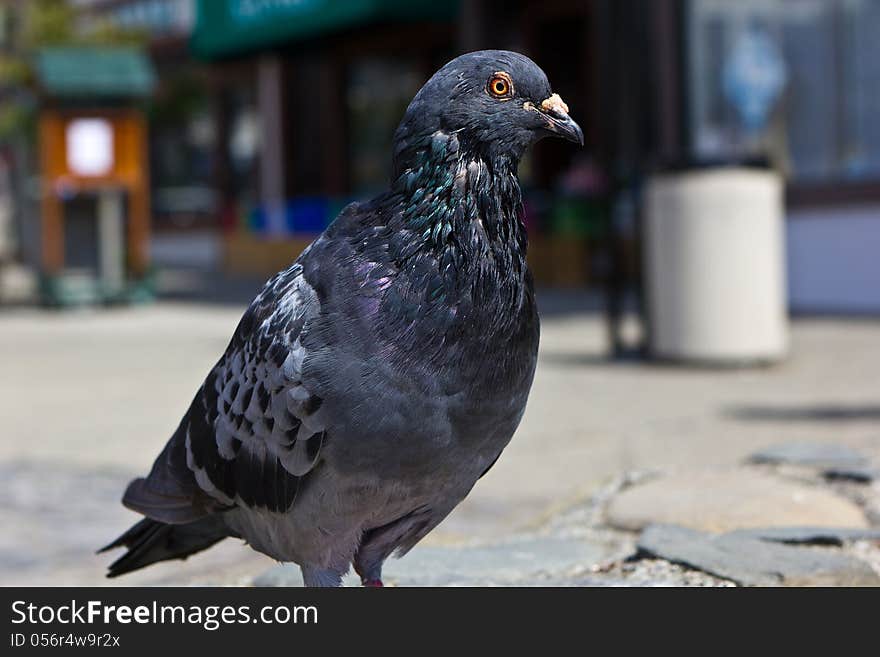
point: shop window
(244, 145)
(793, 80)
(182, 153)
(378, 92)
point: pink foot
(373, 583)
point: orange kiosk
(93, 146)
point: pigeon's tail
(150, 541)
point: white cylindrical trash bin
(715, 266)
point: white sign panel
(89, 147)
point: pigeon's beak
(559, 122)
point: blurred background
(159, 159)
(242, 126)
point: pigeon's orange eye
(500, 85)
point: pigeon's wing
(256, 429)
(253, 430)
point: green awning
(94, 71)
(226, 27)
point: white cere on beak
(554, 104)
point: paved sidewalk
(88, 398)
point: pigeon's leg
(321, 577)
(377, 544)
(369, 572)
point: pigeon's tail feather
(170, 493)
(171, 507)
(150, 541)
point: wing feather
(254, 429)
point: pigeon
(371, 384)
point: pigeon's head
(495, 102)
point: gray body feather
(370, 385)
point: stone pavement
(87, 399)
(586, 545)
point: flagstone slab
(726, 500)
(755, 562)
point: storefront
(795, 81)
(306, 95)
(310, 93)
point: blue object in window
(754, 76)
